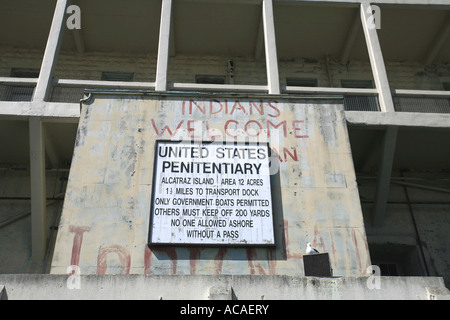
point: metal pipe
(22, 215)
(416, 229)
(89, 96)
(203, 94)
(52, 228)
(409, 184)
(330, 77)
(420, 186)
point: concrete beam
(384, 176)
(273, 80)
(38, 190)
(44, 83)
(438, 43)
(371, 150)
(78, 35)
(351, 37)
(337, 2)
(259, 42)
(163, 47)
(376, 60)
(172, 45)
(51, 150)
(51, 111)
(79, 40)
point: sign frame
(208, 245)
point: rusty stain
(219, 260)
(333, 250)
(355, 243)
(251, 256)
(271, 261)
(318, 243)
(194, 256)
(289, 255)
(172, 254)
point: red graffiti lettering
(295, 125)
(77, 242)
(237, 106)
(289, 255)
(252, 132)
(283, 124)
(226, 128)
(191, 129)
(252, 255)
(259, 109)
(293, 156)
(121, 252)
(231, 107)
(211, 107)
(161, 133)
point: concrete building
(353, 98)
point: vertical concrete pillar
(38, 190)
(384, 175)
(376, 59)
(163, 46)
(51, 52)
(273, 80)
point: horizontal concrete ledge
(400, 119)
(50, 111)
(242, 287)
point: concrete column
(38, 190)
(273, 80)
(444, 34)
(384, 175)
(164, 46)
(51, 52)
(351, 38)
(376, 60)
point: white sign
(211, 194)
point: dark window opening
(24, 73)
(210, 79)
(359, 84)
(397, 259)
(301, 82)
(117, 76)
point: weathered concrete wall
(104, 226)
(109, 287)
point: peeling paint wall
(105, 219)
